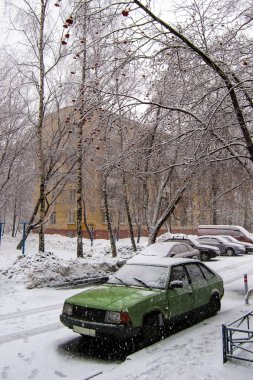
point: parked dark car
(248, 246)
(225, 247)
(206, 251)
(171, 249)
(144, 298)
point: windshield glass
(145, 276)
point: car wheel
(195, 257)
(214, 305)
(153, 328)
(204, 256)
(230, 251)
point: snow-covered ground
(34, 344)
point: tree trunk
(108, 222)
(40, 128)
(85, 221)
(30, 226)
(14, 219)
(79, 203)
(79, 179)
(169, 210)
(129, 219)
(139, 233)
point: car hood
(235, 245)
(208, 247)
(111, 297)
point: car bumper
(240, 251)
(213, 254)
(248, 250)
(210, 253)
(99, 329)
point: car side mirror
(176, 284)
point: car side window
(206, 240)
(176, 249)
(207, 273)
(195, 273)
(184, 248)
(178, 273)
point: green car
(144, 297)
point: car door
(180, 300)
(212, 241)
(199, 285)
(187, 251)
(180, 250)
(220, 244)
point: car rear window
(195, 273)
(207, 272)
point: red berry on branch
(69, 20)
(125, 12)
(64, 42)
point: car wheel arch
(153, 326)
(153, 313)
(215, 293)
(214, 303)
(230, 251)
(204, 255)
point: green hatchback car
(144, 297)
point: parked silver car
(226, 247)
(248, 246)
(206, 251)
(171, 249)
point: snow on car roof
(158, 249)
(157, 261)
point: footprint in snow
(33, 374)
(4, 373)
(60, 374)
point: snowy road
(34, 344)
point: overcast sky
(161, 7)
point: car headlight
(116, 317)
(68, 309)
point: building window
(71, 217)
(122, 217)
(52, 218)
(72, 195)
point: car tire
(153, 328)
(204, 256)
(214, 305)
(230, 251)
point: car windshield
(145, 276)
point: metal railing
(237, 339)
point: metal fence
(237, 339)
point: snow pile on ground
(41, 269)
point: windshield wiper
(122, 282)
(143, 283)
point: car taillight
(125, 317)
